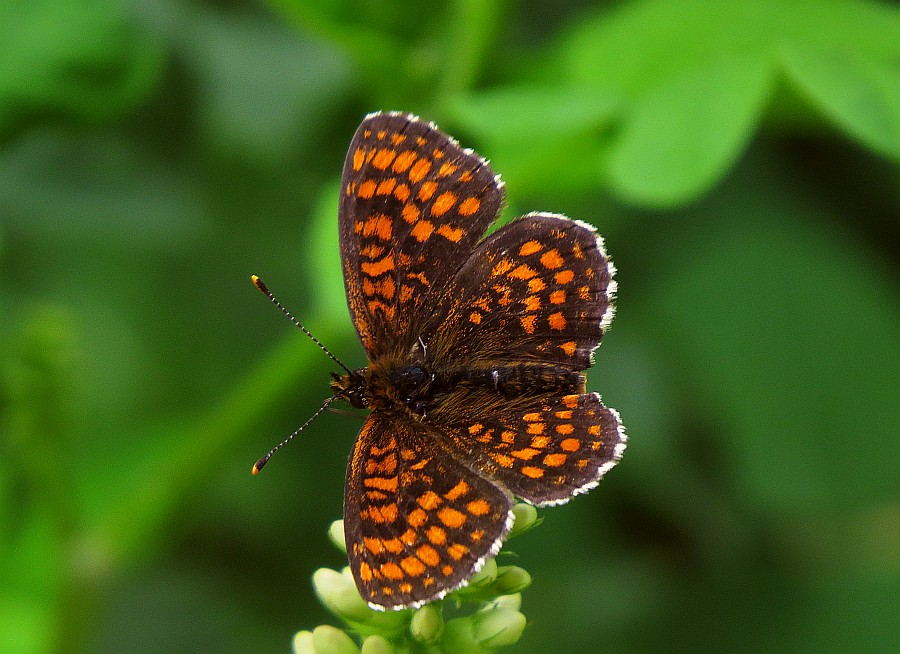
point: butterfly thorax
(401, 386)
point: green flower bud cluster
(495, 623)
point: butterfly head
(352, 387)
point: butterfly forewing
(413, 206)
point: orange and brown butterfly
(477, 347)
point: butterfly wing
(540, 288)
(413, 206)
(417, 522)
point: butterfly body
(476, 346)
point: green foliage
(740, 158)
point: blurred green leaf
(788, 329)
(698, 76)
(851, 92)
(685, 134)
(71, 57)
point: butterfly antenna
(263, 461)
(258, 283)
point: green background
(739, 157)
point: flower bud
(376, 645)
(427, 624)
(526, 519)
(331, 640)
(303, 643)
(498, 628)
(339, 595)
(336, 535)
(511, 579)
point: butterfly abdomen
(525, 379)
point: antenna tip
(259, 464)
(257, 282)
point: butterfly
(476, 345)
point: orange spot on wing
(427, 190)
(359, 158)
(466, 176)
(536, 285)
(536, 428)
(412, 566)
(528, 323)
(386, 187)
(402, 192)
(523, 272)
(371, 251)
(584, 292)
(404, 160)
(391, 571)
(533, 472)
(557, 321)
(569, 347)
(570, 401)
(419, 169)
(374, 545)
(451, 517)
(429, 500)
(388, 484)
(422, 231)
(447, 169)
(532, 303)
(556, 459)
(478, 507)
(417, 518)
(428, 555)
(558, 297)
(383, 158)
(453, 234)
(457, 491)
(540, 442)
(526, 454)
(457, 551)
(393, 545)
(529, 248)
(378, 267)
(570, 444)
(443, 203)
(469, 206)
(565, 429)
(564, 276)
(367, 189)
(410, 213)
(503, 459)
(436, 535)
(502, 267)
(551, 259)
(475, 318)
(397, 139)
